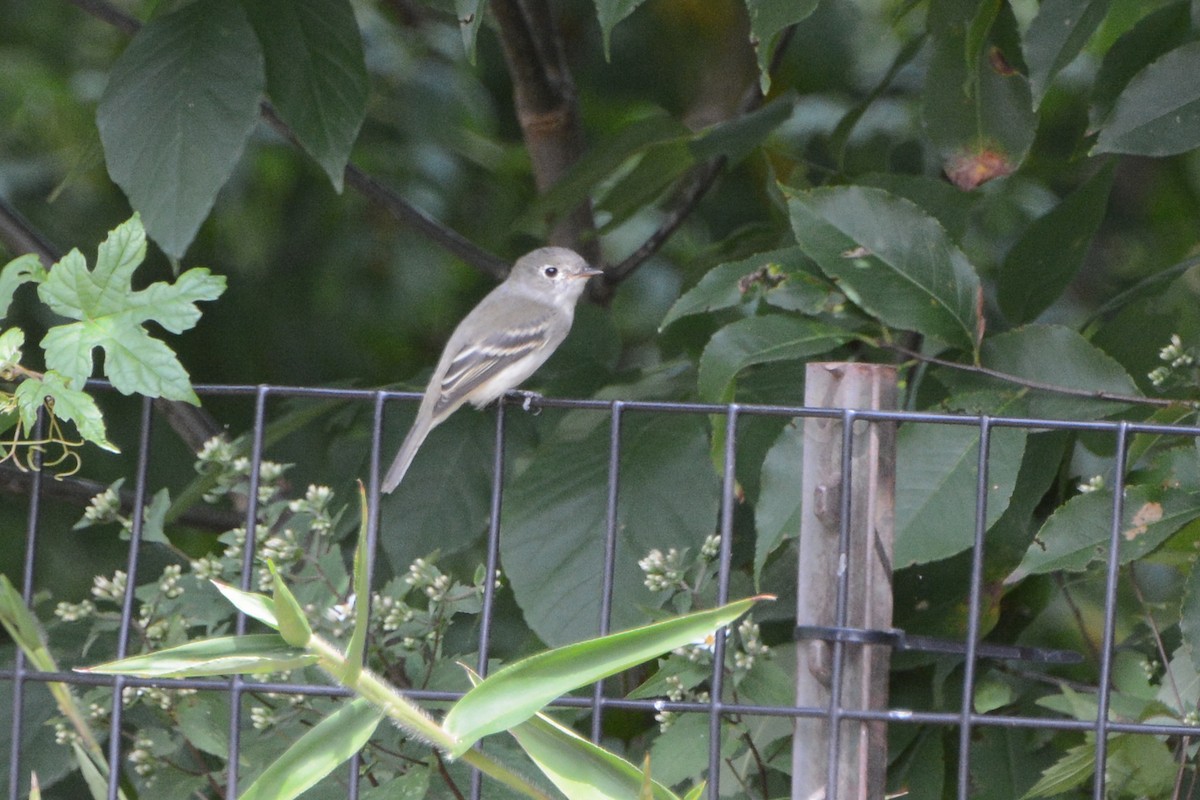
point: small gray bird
(500, 343)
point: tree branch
(547, 109)
(1090, 394)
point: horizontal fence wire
(19, 675)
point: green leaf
(768, 20)
(21, 269)
(1042, 263)
(470, 18)
(581, 770)
(110, 315)
(293, 625)
(761, 340)
(252, 604)
(1078, 532)
(784, 278)
(1076, 765)
(737, 138)
(1153, 36)
(658, 168)
(1058, 356)
(330, 743)
(979, 117)
(517, 692)
(1158, 114)
(362, 594)
(1189, 614)
(554, 519)
(634, 137)
(1056, 35)
(180, 103)
(609, 13)
(316, 75)
(891, 259)
(11, 342)
(222, 655)
(69, 404)
(777, 512)
(937, 472)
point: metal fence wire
(20, 676)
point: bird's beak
(590, 272)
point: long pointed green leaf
(317, 753)
(362, 595)
(252, 604)
(517, 692)
(225, 655)
(580, 769)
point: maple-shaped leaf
(110, 315)
(70, 404)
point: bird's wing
(477, 362)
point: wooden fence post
(861, 752)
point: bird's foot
(527, 400)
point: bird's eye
(550, 272)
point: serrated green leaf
(1056, 35)
(180, 103)
(582, 770)
(320, 751)
(891, 259)
(1158, 113)
(69, 404)
(1189, 614)
(777, 512)
(110, 315)
(784, 278)
(1075, 766)
(1153, 36)
(937, 472)
(222, 655)
(1078, 532)
(1055, 355)
(554, 519)
(761, 340)
(1044, 260)
(21, 269)
(736, 138)
(768, 20)
(316, 74)
(979, 117)
(517, 692)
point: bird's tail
(412, 442)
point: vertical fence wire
(1110, 611)
(973, 610)
(725, 562)
(611, 525)
(131, 572)
(33, 521)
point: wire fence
(20, 675)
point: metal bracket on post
(855, 751)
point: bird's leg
(527, 399)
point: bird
(500, 343)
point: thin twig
(1028, 383)
(1092, 647)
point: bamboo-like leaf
(317, 753)
(582, 770)
(362, 594)
(293, 626)
(517, 692)
(252, 604)
(224, 655)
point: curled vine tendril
(57, 452)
